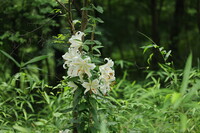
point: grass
(166, 101)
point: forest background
(150, 42)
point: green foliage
(155, 106)
(27, 105)
(165, 100)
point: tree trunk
(198, 14)
(154, 22)
(157, 58)
(176, 29)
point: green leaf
(36, 59)
(97, 42)
(150, 57)
(99, 9)
(99, 20)
(25, 114)
(88, 30)
(77, 97)
(57, 114)
(21, 129)
(39, 123)
(167, 55)
(192, 91)
(95, 47)
(186, 74)
(183, 123)
(98, 33)
(93, 102)
(175, 97)
(97, 50)
(89, 42)
(85, 47)
(148, 47)
(82, 106)
(10, 57)
(46, 97)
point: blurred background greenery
(28, 27)
(34, 95)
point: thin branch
(62, 5)
(69, 15)
(92, 34)
(84, 16)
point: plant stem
(69, 15)
(84, 20)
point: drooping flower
(71, 55)
(105, 87)
(107, 76)
(91, 85)
(80, 66)
(76, 40)
(107, 73)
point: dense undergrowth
(166, 101)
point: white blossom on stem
(91, 85)
(76, 40)
(105, 87)
(107, 75)
(71, 55)
(80, 66)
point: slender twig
(63, 6)
(93, 31)
(92, 36)
(84, 16)
(69, 15)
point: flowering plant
(95, 79)
(89, 79)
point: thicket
(35, 96)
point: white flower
(72, 85)
(91, 85)
(76, 40)
(70, 56)
(107, 73)
(105, 87)
(80, 66)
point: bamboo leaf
(183, 123)
(36, 59)
(186, 74)
(21, 129)
(10, 57)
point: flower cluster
(79, 64)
